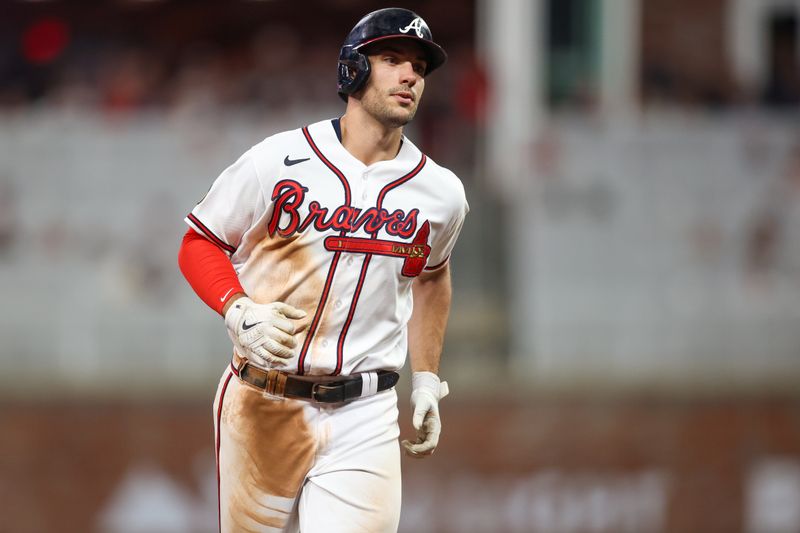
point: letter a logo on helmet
(415, 25)
(381, 25)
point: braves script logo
(289, 196)
(415, 25)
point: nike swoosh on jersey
(226, 295)
(289, 162)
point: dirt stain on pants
(266, 448)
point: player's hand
(263, 333)
(427, 390)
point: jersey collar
(328, 135)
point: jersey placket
(362, 200)
(349, 289)
(331, 276)
(378, 203)
(336, 313)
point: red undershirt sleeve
(208, 270)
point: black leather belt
(283, 384)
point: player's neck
(368, 140)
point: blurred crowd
(266, 66)
(270, 68)
(129, 59)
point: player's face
(396, 82)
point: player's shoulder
(445, 174)
(276, 144)
(268, 155)
(446, 180)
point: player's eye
(390, 59)
(419, 68)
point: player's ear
(358, 94)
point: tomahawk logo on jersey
(316, 228)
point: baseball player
(326, 250)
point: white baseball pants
(296, 465)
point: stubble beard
(379, 107)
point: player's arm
(432, 294)
(209, 272)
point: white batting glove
(427, 390)
(263, 333)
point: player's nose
(407, 74)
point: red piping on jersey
(350, 313)
(217, 443)
(314, 323)
(312, 329)
(365, 265)
(434, 267)
(396, 183)
(210, 234)
(330, 165)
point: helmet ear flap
(354, 70)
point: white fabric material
(369, 383)
(292, 265)
(427, 390)
(263, 333)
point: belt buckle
(321, 393)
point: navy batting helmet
(389, 23)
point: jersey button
(364, 195)
(349, 260)
(325, 344)
(337, 304)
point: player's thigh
(355, 484)
(351, 501)
(265, 449)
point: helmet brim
(435, 53)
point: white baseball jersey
(306, 223)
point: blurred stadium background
(624, 346)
